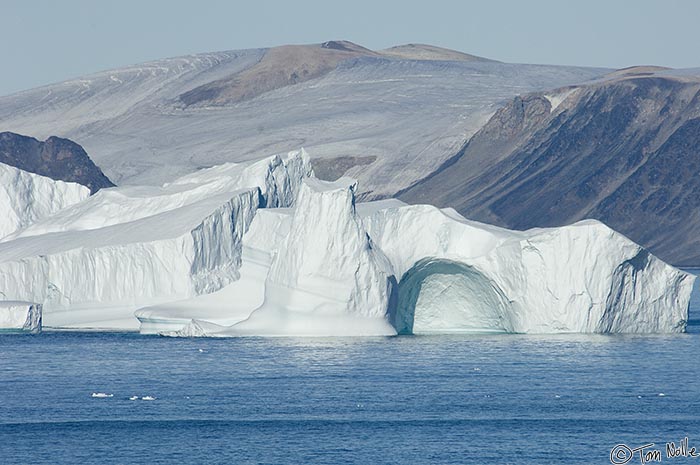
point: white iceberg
(326, 278)
(234, 302)
(385, 268)
(93, 264)
(266, 249)
(26, 198)
(461, 275)
(20, 316)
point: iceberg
(234, 302)
(266, 249)
(326, 278)
(461, 275)
(386, 268)
(26, 198)
(124, 248)
(20, 316)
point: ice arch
(438, 295)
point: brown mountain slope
(56, 158)
(625, 151)
(428, 52)
(293, 64)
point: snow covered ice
(266, 249)
(26, 198)
(124, 248)
(384, 268)
(20, 316)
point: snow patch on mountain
(556, 99)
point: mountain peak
(428, 52)
(56, 158)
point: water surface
(490, 399)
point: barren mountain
(387, 118)
(278, 67)
(428, 52)
(624, 150)
(56, 158)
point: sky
(46, 41)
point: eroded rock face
(279, 67)
(623, 151)
(56, 158)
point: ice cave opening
(439, 296)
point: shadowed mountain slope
(625, 151)
(56, 158)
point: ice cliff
(384, 268)
(266, 249)
(325, 278)
(461, 275)
(26, 198)
(124, 248)
(20, 316)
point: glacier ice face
(20, 316)
(266, 249)
(26, 198)
(385, 268)
(325, 278)
(579, 278)
(124, 248)
(234, 302)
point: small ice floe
(557, 396)
(661, 394)
(201, 351)
(134, 398)
(639, 397)
(477, 369)
(148, 398)
(101, 395)
(487, 396)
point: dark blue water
(412, 400)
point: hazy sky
(44, 41)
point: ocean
(455, 399)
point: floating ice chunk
(134, 398)
(461, 275)
(148, 398)
(20, 316)
(101, 395)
